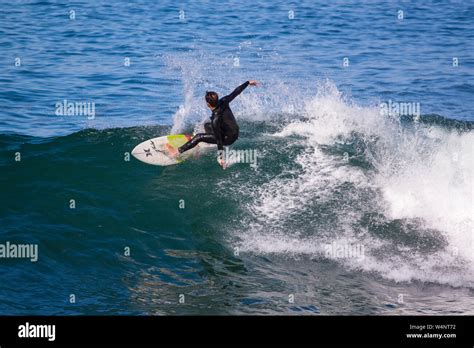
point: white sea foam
(419, 172)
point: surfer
(222, 129)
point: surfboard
(154, 151)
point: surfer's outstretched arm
(238, 90)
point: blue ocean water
(335, 171)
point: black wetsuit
(223, 129)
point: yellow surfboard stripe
(177, 140)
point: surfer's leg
(201, 137)
(229, 139)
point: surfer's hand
(254, 83)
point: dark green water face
(255, 241)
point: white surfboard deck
(154, 151)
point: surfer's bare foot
(172, 152)
(222, 164)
